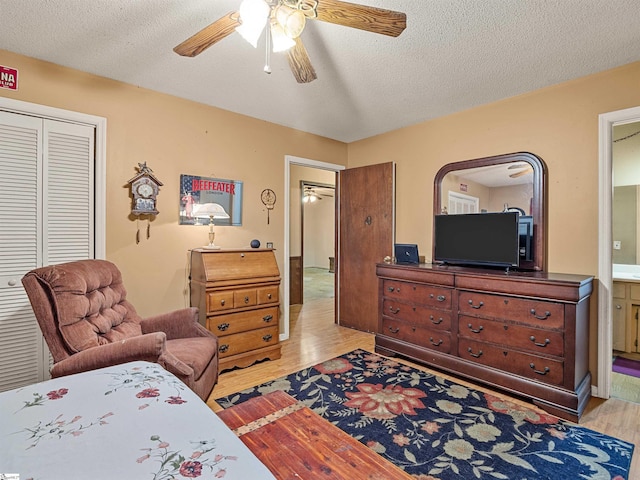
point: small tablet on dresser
(406, 253)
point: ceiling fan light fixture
(291, 20)
(281, 42)
(253, 15)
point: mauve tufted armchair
(87, 322)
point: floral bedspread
(131, 421)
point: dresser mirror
(511, 182)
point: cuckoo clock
(144, 190)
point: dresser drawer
(534, 340)
(418, 293)
(417, 314)
(222, 325)
(219, 301)
(243, 342)
(267, 295)
(532, 312)
(534, 367)
(430, 338)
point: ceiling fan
(524, 169)
(286, 20)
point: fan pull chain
(267, 52)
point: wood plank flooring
(314, 337)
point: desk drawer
(243, 342)
(267, 295)
(219, 301)
(245, 298)
(536, 313)
(229, 324)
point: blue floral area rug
(436, 429)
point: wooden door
(365, 232)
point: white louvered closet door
(46, 217)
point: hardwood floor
(315, 337)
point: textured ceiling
(454, 55)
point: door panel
(366, 234)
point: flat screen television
(484, 239)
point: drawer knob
(475, 355)
(540, 317)
(394, 330)
(480, 305)
(394, 310)
(434, 321)
(618, 306)
(435, 344)
(269, 296)
(222, 302)
(223, 348)
(393, 289)
(477, 330)
(223, 326)
(267, 337)
(440, 298)
(267, 318)
(246, 299)
(546, 342)
(539, 372)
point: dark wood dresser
(523, 332)
(237, 292)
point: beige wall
(559, 124)
(173, 136)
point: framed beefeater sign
(204, 197)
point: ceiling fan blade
(371, 19)
(521, 173)
(300, 64)
(209, 35)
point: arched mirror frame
(538, 201)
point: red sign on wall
(8, 78)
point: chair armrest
(177, 324)
(148, 347)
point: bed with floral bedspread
(130, 421)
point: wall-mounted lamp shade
(211, 211)
(253, 15)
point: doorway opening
(607, 122)
(292, 203)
